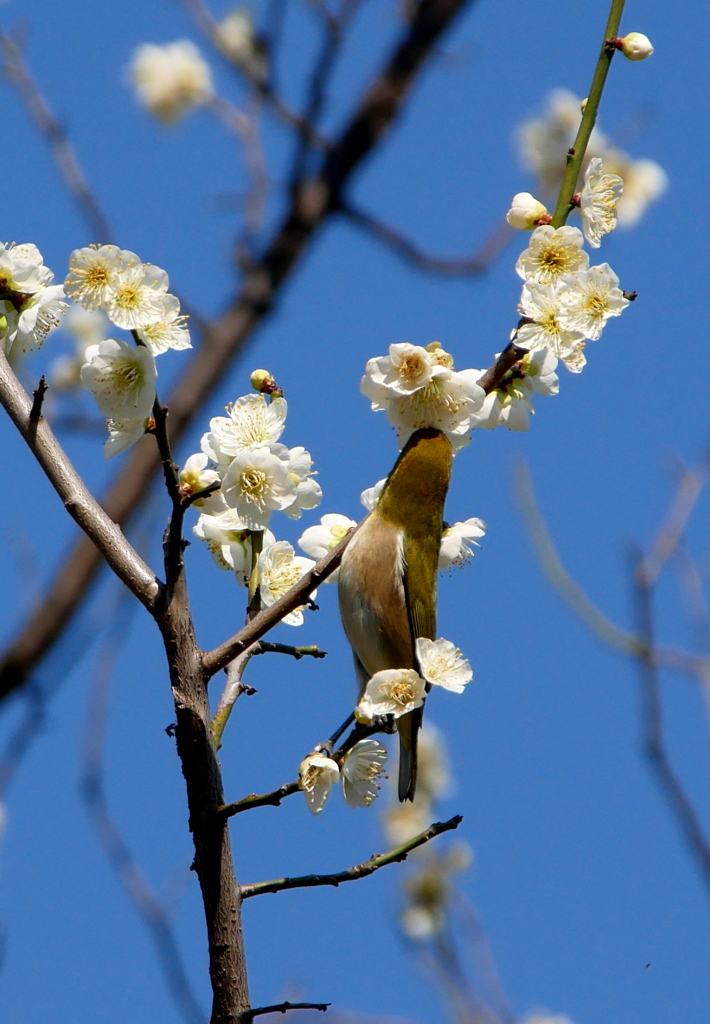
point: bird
(387, 579)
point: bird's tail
(408, 727)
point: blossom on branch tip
(318, 775)
(171, 80)
(317, 541)
(525, 212)
(236, 37)
(635, 46)
(257, 483)
(391, 692)
(308, 492)
(597, 203)
(456, 540)
(250, 421)
(94, 274)
(552, 253)
(541, 304)
(169, 331)
(442, 664)
(406, 369)
(39, 314)
(590, 300)
(139, 297)
(122, 379)
(22, 269)
(279, 570)
(362, 769)
(195, 477)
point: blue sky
(580, 878)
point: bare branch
(380, 860)
(272, 799)
(310, 651)
(56, 137)
(282, 1008)
(654, 743)
(470, 266)
(312, 204)
(79, 503)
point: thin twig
(272, 799)
(310, 651)
(56, 137)
(249, 1015)
(38, 399)
(380, 860)
(653, 738)
(233, 690)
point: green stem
(579, 149)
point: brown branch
(493, 376)
(49, 127)
(106, 537)
(265, 620)
(654, 742)
(272, 799)
(380, 860)
(470, 266)
(313, 202)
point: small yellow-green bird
(387, 580)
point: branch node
(38, 398)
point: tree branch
(272, 799)
(313, 202)
(381, 860)
(282, 1008)
(110, 543)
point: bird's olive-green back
(413, 500)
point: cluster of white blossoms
(135, 297)
(30, 306)
(360, 771)
(564, 302)
(171, 80)
(252, 475)
(544, 142)
(398, 691)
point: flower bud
(583, 104)
(525, 212)
(264, 383)
(635, 46)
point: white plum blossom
(22, 269)
(317, 541)
(86, 328)
(362, 769)
(251, 421)
(552, 253)
(171, 80)
(591, 298)
(391, 692)
(39, 314)
(318, 774)
(406, 369)
(511, 404)
(95, 272)
(456, 540)
(257, 483)
(279, 570)
(308, 491)
(542, 305)
(123, 434)
(597, 202)
(169, 331)
(371, 495)
(122, 379)
(230, 549)
(442, 664)
(195, 477)
(525, 212)
(235, 34)
(139, 297)
(635, 46)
